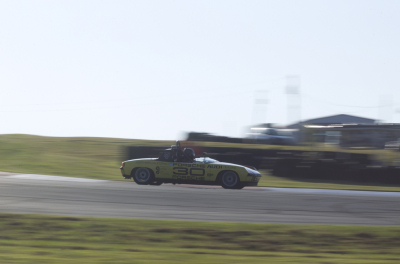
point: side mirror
(204, 154)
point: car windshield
(205, 160)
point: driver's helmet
(189, 153)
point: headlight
(252, 172)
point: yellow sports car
(180, 166)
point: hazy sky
(152, 69)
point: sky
(157, 69)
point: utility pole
(293, 98)
(260, 107)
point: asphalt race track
(84, 197)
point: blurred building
(334, 119)
(341, 130)
(366, 135)
(268, 134)
(352, 135)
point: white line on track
(301, 190)
(330, 191)
(274, 189)
(50, 178)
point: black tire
(143, 176)
(230, 180)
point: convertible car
(180, 166)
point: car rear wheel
(230, 180)
(143, 176)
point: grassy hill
(100, 158)
(97, 158)
(30, 239)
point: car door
(163, 168)
(188, 171)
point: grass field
(96, 158)
(100, 158)
(48, 239)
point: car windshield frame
(205, 160)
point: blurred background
(157, 69)
(305, 91)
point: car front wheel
(143, 176)
(230, 180)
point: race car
(181, 166)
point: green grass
(97, 158)
(49, 239)
(100, 158)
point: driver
(188, 155)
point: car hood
(227, 163)
(141, 159)
(237, 165)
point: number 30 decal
(186, 171)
